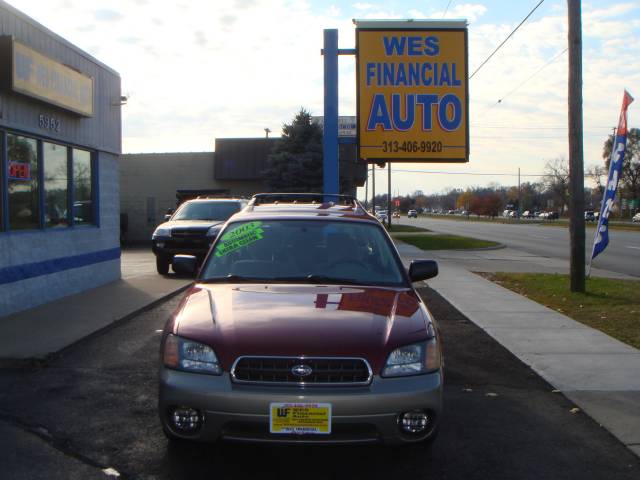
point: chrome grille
(278, 371)
(188, 233)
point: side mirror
(167, 217)
(184, 264)
(422, 270)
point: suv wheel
(162, 264)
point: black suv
(192, 229)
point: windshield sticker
(239, 237)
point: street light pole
(576, 163)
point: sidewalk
(41, 331)
(596, 372)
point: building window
(82, 188)
(56, 200)
(22, 156)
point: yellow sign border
(422, 29)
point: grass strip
(445, 242)
(609, 305)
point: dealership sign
(45, 79)
(412, 88)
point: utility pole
(576, 163)
(519, 196)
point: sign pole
(373, 188)
(331, 183)
(389, 195)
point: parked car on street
(412, 214)
(589, 216)
(191, 229)
(381, 216)
(303, 327)
(636, 218)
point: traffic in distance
(302, 326)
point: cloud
(260, 61)
(201, 39)
(130, 40)
(228, 20)
(106, 15)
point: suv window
(304, 251)
(207, 210)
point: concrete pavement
(39, 332)
(595, 371)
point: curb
(500, 246)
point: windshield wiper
(313, 278)
(234, 279)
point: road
(621, 256)
(94, 407)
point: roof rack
(304, 198)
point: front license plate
(300, 418)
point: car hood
(195, 224)
(301, 320)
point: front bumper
(235, 412)
(168, 248)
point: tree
(492, 205)
(630, 180)
(295, 164)
(556, 180)
(464, 200)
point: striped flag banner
(601, 239)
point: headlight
(190, 356)
(161, 232)
(413, 359)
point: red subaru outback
(302, 326)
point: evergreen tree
(295, 164)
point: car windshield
(304, 251)
(207, 211)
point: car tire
(162, 264)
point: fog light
(186, 419)
(414, 422)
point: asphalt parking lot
(96, 405)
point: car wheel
(162, 264)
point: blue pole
(330, 137)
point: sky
(196, 70)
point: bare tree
(556, 180)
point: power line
(529, 127)
(549, 62)
(479, 174)
(505, 40)
(446, 9)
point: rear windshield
(333, 252)
(207, 211)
